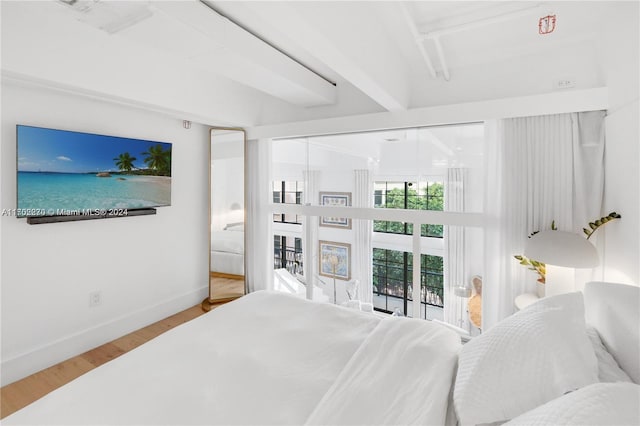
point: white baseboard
(52, 353)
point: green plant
(598, 223)
(539, 267)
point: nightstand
(525, 299)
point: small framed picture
(337, 199)
(335, 260)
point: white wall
(620, 61)
(146, 267)
(621, 256)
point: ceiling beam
(436, 34)
(351, 44)
(249, 60)
(468, 112)
(489, 20)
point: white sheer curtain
(539, 169)
(588, 171)
(310, 230)
(310, 192)
(258, 240)
(455, 311)
(363, 232)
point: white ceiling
(248, 63)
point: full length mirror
(227, 216)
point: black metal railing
(291, 260)
(430, 295)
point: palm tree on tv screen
(158, 159)
(125, 161)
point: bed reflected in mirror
(227, 216)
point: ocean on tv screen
(53, 192)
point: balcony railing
(430, 295)
(291, 260)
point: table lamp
(561, 252)
(465, 293)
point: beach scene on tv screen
(62, 171)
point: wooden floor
(225, 288)
(23, 392)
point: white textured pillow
(597, 404)
(528, 359)
(608, 369)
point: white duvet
(227, 241)
(268, 358)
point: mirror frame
(209, 303)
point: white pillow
(597, 404)
(531, 357)
(608, 369)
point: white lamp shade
(561, 249)
(462, 291)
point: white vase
(540, 289)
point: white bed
(227, 250)
(270, 358)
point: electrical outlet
(565, 83)
(95, 299)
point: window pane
(287, 253)
(378, 197)
(413, 201)
(393, 282)
(292, 195)
(431, 231)
(423, 195)
(394, 198)
(432, 280)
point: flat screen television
(62, 172)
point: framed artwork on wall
(337, 199)
(335, 260)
